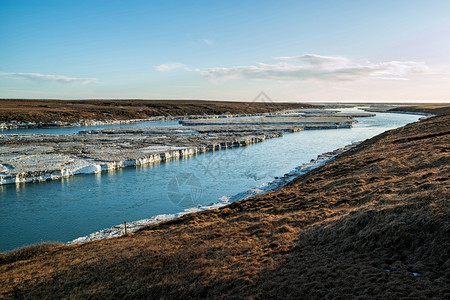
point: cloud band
(50, 78)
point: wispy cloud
(208, 42)
(50, 78)
(311, 67)
(170, 66)
(317, 67)
(317, 60)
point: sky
(295, 51)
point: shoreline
(12, 125)
(93, 167)
(29, 113)
(35, 158)
(424, 114)
(276, 184)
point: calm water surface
(69, 208)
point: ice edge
(119, 230)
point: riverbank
(371, 223)
(277, 183)
(428, 109)
(431, 109)
(27, 113)
(33, 158)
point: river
(65, 209)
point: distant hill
(436, 108)
(24, 110)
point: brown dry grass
(358, 227)
(432, 108)
(24, 110)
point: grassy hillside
(374, 223)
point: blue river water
(65, 209)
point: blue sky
(226, 50)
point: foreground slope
(372, 223)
